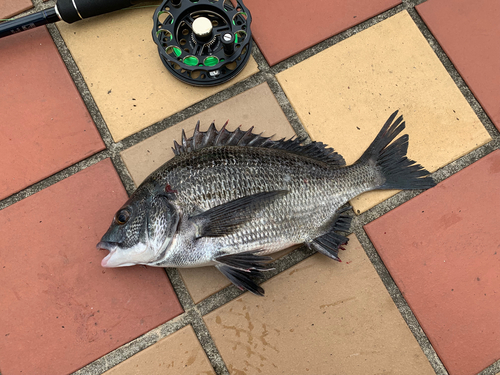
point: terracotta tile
(469, 31)
(120, 63)
(179, 353)
(255, 107)
(442, 250)
(60, 309)
(319, 316)
(284, 28)
(9, 8)
(46, 124)
(344, 95)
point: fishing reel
(203, 42)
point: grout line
(493, 369)
(259, 58)
(41, 4)
(400, 302)
(279, 94)
(207, 343)
(454, 74)
(123, 173)
(180, 288)
(38, 4)
(287, 107)
(412, 3)
(56, 177)
(106, 362)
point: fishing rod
(65, 10)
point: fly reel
(203, 42)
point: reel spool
(204, 42)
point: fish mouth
(115, 258)
(111, 247)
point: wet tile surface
(130, 84)
(387, 67)
(46, 126)
(469, 31)
(256, 107)
(60, 309)
(343, 306)
(442, 250)
(284, 28)
(9, 8)
(180, 353)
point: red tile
(9, 8)
(45, 124)
(442, 249)
(469, 33)
(60, 309)
(283, 28)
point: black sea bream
(228, 199)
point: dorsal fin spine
(195, 135)
(223, 137)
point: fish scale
(229, 198)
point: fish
(230, 199)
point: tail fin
(398, 172)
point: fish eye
(122, 217)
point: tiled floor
(88, 111)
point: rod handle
(75, 10)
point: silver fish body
(229, 198)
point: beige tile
(179, 353)
(344, 95)
(318, 317)
(202, 282)
(121, 66)
(256, 107)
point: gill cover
(141, 230)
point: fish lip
(105, 245)
(111, 247)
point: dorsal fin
(223, 137)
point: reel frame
(197, 57)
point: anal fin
(329, 243)
(239, 268)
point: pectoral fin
(228, 217)
(238, 268)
